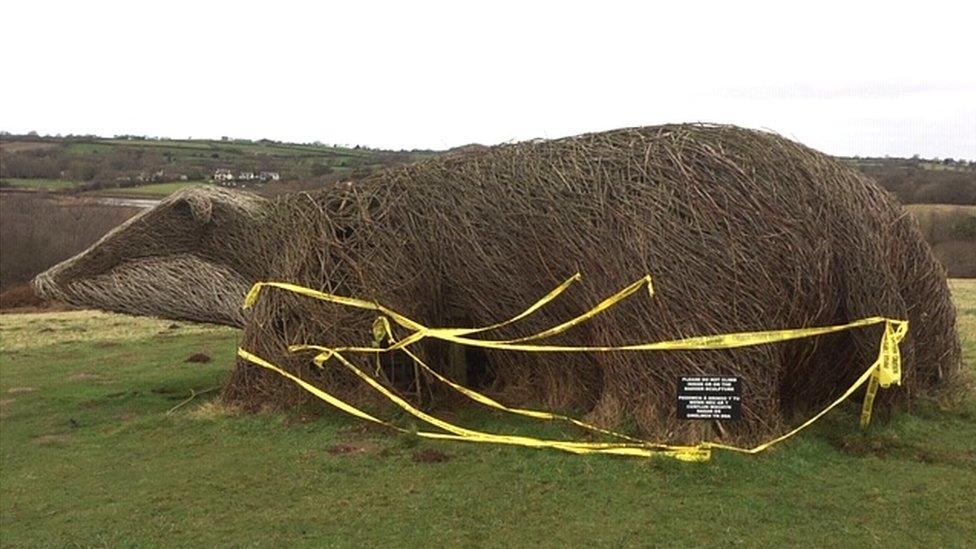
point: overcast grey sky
(849, 78)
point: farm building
(223, 174)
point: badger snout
(181, 287)
(45, 285)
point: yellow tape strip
(869, 395)
(383, 331)
(326, 353)
(252, 295)
(599, 308)
(700, 452)
(884, 371)
(422, 331)
(686, 453)
(456, 335)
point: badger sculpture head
(192, 257)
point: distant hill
(922, 181)
(159, 166)
(140, 166)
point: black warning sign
(709, 397)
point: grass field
(923, 210)
(150, 190)
(92, 455)
(951, 231)
(40, 184)
(96, 163)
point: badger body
(740, 230)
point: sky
(847, 78)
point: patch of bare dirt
(199, 358)
(886, 447)
(214, 409)
(861, 446)
(85, 376)
(298, 419)
(365, 429)
(356, 448)
(22, 299)
(430, 456)
(20, 390)
(50, 440)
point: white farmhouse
(223, 175)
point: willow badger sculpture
(741, 230)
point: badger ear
(196, 205)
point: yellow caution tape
(327, 353)
(686, 453)
(886, 370)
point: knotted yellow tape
(886, 370)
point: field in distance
(90, 163)
(124, 164)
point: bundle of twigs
(741, 230)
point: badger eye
(183, 207)
(197, 209)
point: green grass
(85, 148)
(91, 457)
(40, 184)
(165, 143)
(105, 160)
(234, 147)
(922, 210)
(151, 189)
